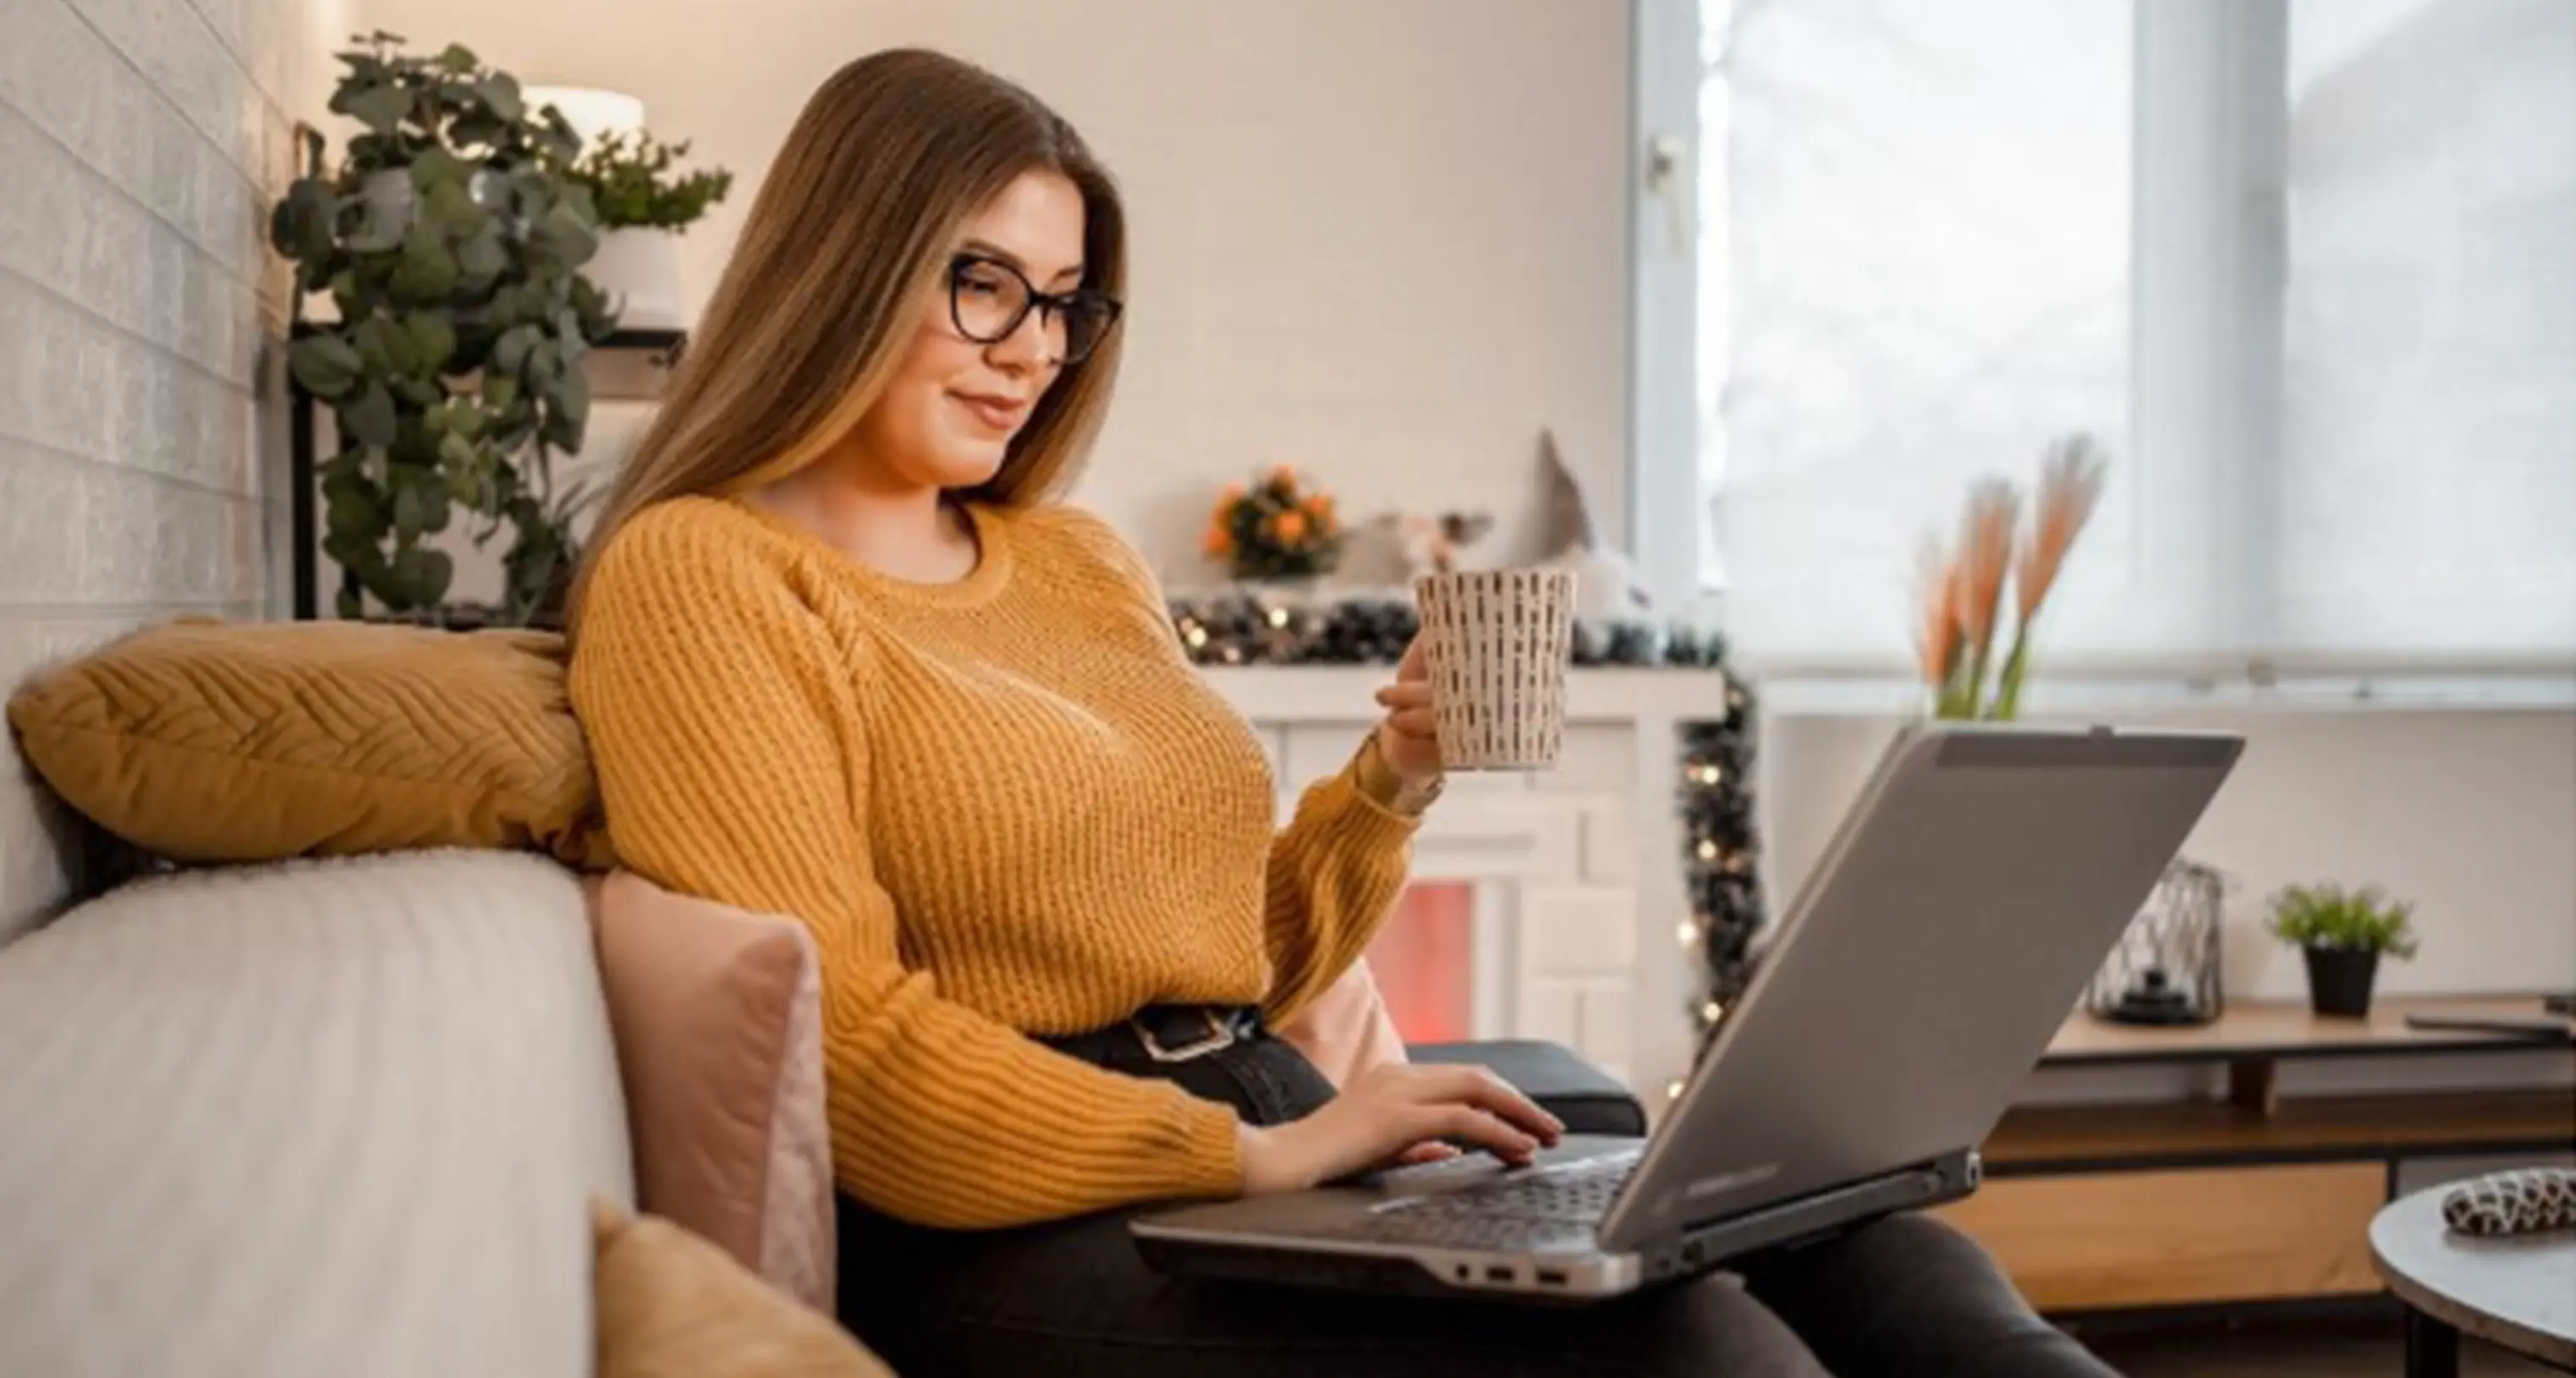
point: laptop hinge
(1818, 1213)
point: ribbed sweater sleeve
(728, 729)
(1335, 871)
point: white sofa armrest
(327, 1118)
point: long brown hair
(853, 223)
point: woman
(839, 658)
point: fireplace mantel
(1577, 869)
(1302, 692)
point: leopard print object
(2523, 1201)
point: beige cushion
(307, 1120)
(672, 1305)
(719, 1022)
(258, 741)
(1346, 1030)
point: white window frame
(1665, 513)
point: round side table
(2517, 1292)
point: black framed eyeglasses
(988, 299)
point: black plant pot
(2339, 980)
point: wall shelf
(627, 366)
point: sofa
(332, 1116)
(338, 1116)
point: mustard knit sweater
(1004, 806)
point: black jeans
(1906, 1295)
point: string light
(1687, 931)
(1194, 634)
(1709, 775)
(1673, 1089)
(1707, 849)
(1711, 1012)
(1279, 617)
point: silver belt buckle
(1220, 1036)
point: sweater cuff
(1361, 815)
(1212, 1160)
(1379, 783)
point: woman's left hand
(1408, 738)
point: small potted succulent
(2342, 934)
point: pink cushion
(1346, 1030)
(718, 1019)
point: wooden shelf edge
(2056, 1139)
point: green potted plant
(643, 206)
(451, 246)
(2342, 935)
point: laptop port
(1498, 1273)
(1553, 1277)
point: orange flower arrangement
(1961, 590)
(1278, 527)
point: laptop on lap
(1964, 901)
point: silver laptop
(1915, 980)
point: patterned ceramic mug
(1499, 639)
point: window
(2307, 267)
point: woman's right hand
(1396, 1113)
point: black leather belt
(1165, 1033)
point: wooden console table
(2252, 1197)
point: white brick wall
(141, 142)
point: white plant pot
(639, 269)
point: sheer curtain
(2304, 266)
(2428, 475)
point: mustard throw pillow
(672, 1305)
(206, 741)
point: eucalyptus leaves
(451, 242)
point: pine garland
(1253, 627)
(1720, 849)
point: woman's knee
(1912, 1243)
(1712, 1326)
(1911, 1293)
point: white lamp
(636, 265)
(590, 113)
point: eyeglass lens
(990, 300)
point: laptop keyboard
(1543, 1208)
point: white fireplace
(1545, 905)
